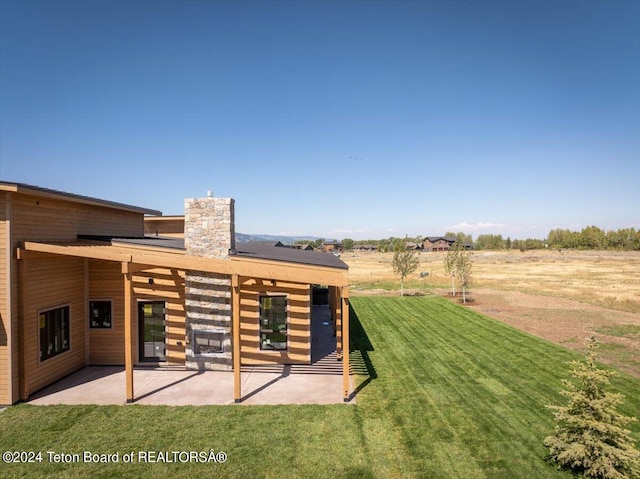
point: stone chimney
(209, 232)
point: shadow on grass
(359, 346)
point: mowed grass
(443, 392)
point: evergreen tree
(590, 437)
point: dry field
(561, 296)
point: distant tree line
(590, 237)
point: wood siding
(168, 286)
(5, 395)
(106, 282)
(35, 218)
(298, 323)
(173, 227)
(51, 283)
(43, 219)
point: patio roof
(137, 257)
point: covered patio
(318, 383)
(254, 384)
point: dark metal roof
(39, 191)
(258, 250)
(272, 244)
(448, 239)
(154, 241)
(289, 255)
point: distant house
(332, 246)
(365, 247)
(303, 247)
(270, 244)
(413, 246)
(441, 243)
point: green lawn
(444, 392)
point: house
(410, 245)
(365, 247)
(438, 243)
(331, 246)
(442, 243)
(304, 247)
(81, 284)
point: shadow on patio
(317, 383)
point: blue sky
(361, 119)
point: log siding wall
(34, 218)
(298, 323)
(106, 282)
(52, 283)
(5, 294)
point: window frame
(99, 328)
(43, 312)
(272, 331)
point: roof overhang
(136, 259)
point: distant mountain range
(246, 238)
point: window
(100, 314)
(54, 332)
(273, 322)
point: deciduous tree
(404, 263)
(450, 261)
(463, 270)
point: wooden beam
(344, 292)
(136, 268)
(21, 253)
(237, 362)
(128, 334)
(274, 270)
(105, 252)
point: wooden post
(128, 332)
(87, 336)
(345, 339)
(22, 323)
(337, 314)
(237, 363)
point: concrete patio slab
(104, 385)
(316, 383)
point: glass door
(151, 332)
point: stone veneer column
(209, 231)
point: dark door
(151, 331)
